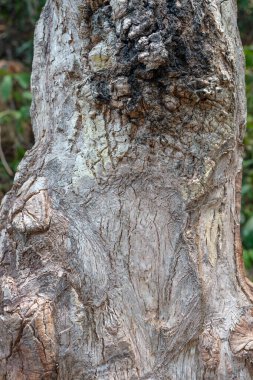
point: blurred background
(17, 22)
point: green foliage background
(245, 20)
(247, 187)
(17, 21)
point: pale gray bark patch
(120, 247)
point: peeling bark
(120, 239)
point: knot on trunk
(31, 212)
(241, 338)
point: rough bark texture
(120, 242)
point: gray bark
(120, 240)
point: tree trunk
(120, 240)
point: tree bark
(120, 240)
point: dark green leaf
(6, 88)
